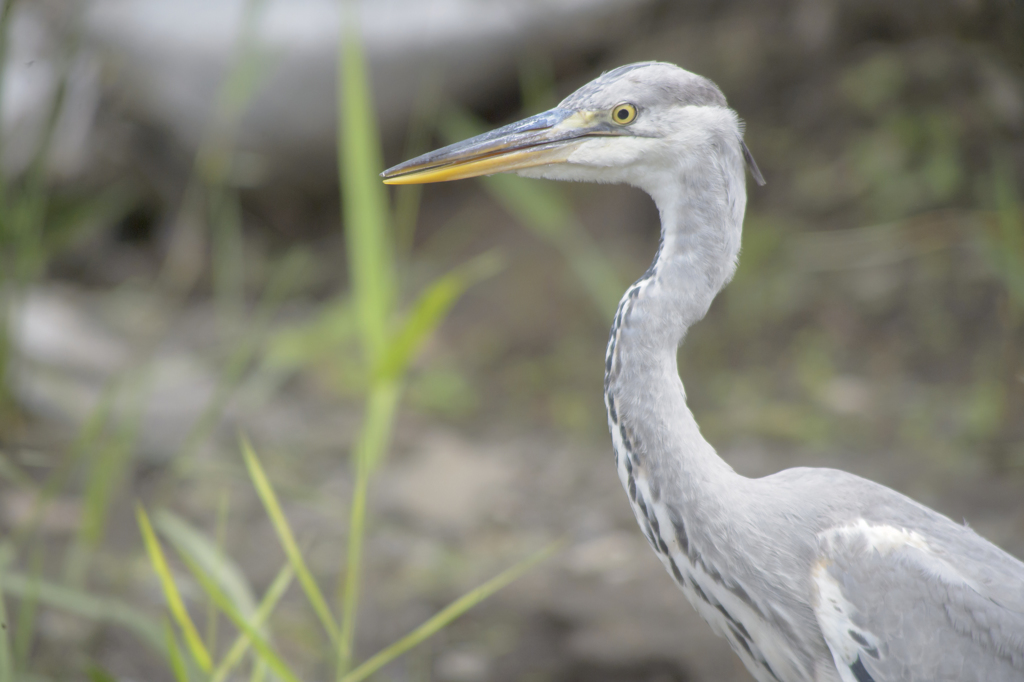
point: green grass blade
(309, 342)
(287, 540)
(448, 614)
(537, 82)
(248, 70)
(174, 656)
(27, 215)
(212, 619)
(381, 405)
(241, 644)
(543, 209)
(86, 438)
(8, 406)
(422, 122)
(364, 199)
(107, 470)
(259, 644)
(6, 659)
(5, 23)
(227, 254)
(107, 459)
(214, 158)
(430, 310)
(98, 674)
(27, 613)
(92, 607)
(198, 548)
(259, 671)
(70, 225)
(171, 594)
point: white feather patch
(883, 539)
(833, 613)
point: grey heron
(809, 573)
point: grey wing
(898, 604)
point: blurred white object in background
(164, 64)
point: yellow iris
(624, 114)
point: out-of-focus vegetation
(876, 323)
(36, 223)
(389, 341)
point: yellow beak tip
(502, 162)
(410, 179)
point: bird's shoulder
(903, 592)
(856, 517)
(891, 604)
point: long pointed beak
(542, 139)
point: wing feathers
(894, 605)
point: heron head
(638, 124)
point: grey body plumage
(811, 574)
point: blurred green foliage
(368, 325)
(35, 223)
(388, 342)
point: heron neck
(701, 216)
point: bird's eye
(624, 114)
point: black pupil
(623, 114)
